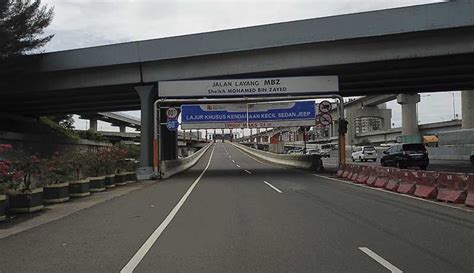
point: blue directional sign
(299, 113)
(172, 124)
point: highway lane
(232, 221)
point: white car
(364, 153)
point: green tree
(21, 26)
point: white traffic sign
(325, 106)
(249, 87)
(172, 113)
(325, 119)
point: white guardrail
(313, 162)
(172, 167)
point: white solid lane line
(273, 187)
(132, 264)
(247, 171)
(380, 260)
(238, 166)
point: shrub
(56, 169)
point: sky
(86, 23)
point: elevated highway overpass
(422, 48)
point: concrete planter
(26, 202)
(110, 181)
(56, 193)
(97, 184)
(3, 207)
(131, 177)
(79, 188)
(121, 179)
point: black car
(406, 155)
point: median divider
(408, 180)
(427, 186)
(341, 169)
(355, 173)
(374, 173)
(172, 167)
(470, 190)
(382, 178)
(312, 162)
(393, 180)
(364, 174)
(347, 171)
(451, 187)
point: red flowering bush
(78, 163)
(20, 171)
(8, 176)
(56, 169)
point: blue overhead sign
(280, 114)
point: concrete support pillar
(123, 129)
(148, 95)
(467, 101)
(409, 114)
(93, 124)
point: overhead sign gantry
(246, 103)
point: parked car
(406, 155)
(314, 152)
(472, 158)
(293, 152)
(364, 153)
(325, 153)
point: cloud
(80, 23)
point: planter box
(97, 184)
(3, 207)
(26, 202)
(79, 188)
(121, 179)
(56, 193)
(110, 181)
(131, 177)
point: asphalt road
(240, 215)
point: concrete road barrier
(312, 162)
(382, 178)
(451, 187)
(172, 167)
(363, 175)
(470, 190)
(426, 187)
(393, 180)
(408, 180)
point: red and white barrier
(341, 169)
(427, 186)
(408, 180)
(470, 190)
(451, 187)
(393, 180)
(382, 178)
(364, 174)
